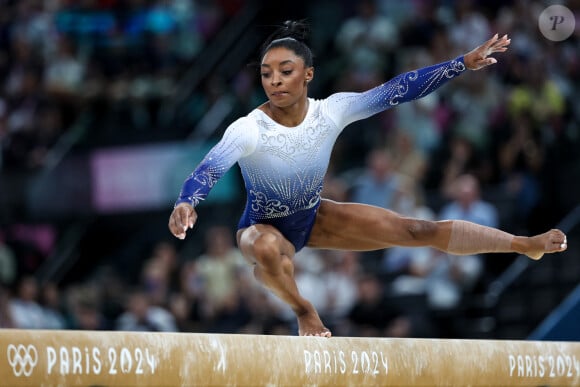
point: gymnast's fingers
(178, 221)
(173, 227)
(500, 45)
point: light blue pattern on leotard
(283, 168)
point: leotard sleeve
(349, 107)
(239, 140)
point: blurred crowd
(214, 292)
(116, 59)
(486, 148)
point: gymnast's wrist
(183, 201)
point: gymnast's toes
(558, 240)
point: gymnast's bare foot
(549, 242)
(309, 324)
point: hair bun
(291, 35)
(297, 29)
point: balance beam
(74, 358)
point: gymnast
(283, 149)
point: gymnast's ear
(309, 74)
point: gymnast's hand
(182, 218)
(479, 58)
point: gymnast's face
(284, 77)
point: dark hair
(291, 35)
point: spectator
(218, 269)
(463, 158)
(64, 72)
(6, 320)
(539, 95)
(469, 26)
(192, 287)
(52, 307)
(476, 104)
(467, 204)
(159, 274)
(408, 160)
(367, 39)
(182, 310)
(378, 183)
(24, 308)
(373, 316)
(521, 159)
(142, 315)
(8, 267)
(85, 308)
(112, 292)
(339, 279)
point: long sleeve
(238, 141)
(350, 107)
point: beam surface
(74, 358)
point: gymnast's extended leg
(271, 253)
(352, 226)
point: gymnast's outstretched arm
(348, 107)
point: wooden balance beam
(75, 358)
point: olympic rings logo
(22, 359)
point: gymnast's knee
(422, 229)
(266, 250)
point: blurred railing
(224, 52)
(562, 323)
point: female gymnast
(283, 149)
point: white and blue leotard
(283, 167)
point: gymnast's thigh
(355, 226)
